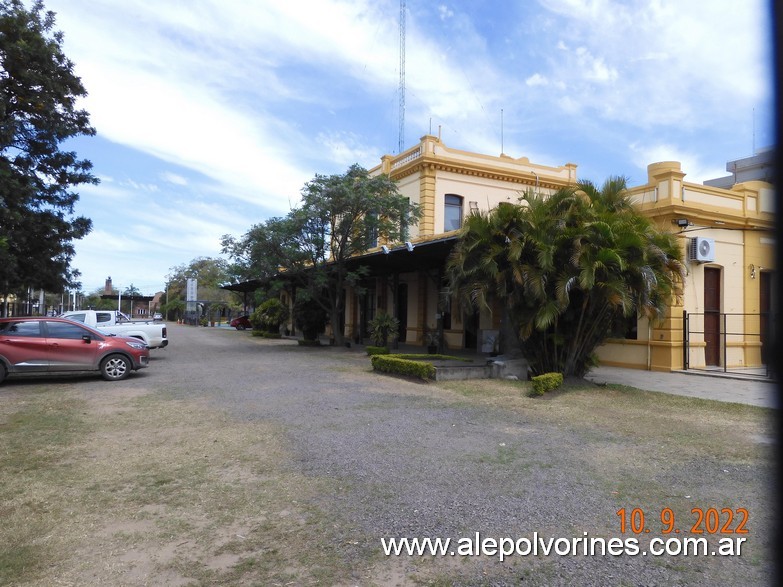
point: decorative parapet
(667, 194)
(407, 157)
(432, 153)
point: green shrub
(393, 364)
(546, 382)
(264, 334)
(428, 357)
(269, 316)
(384, 327)
(310, 318)
(377, 350)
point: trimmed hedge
(377, 350)
(394, 364)
(264, 334)
(546, 382)
(428, 357)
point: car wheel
(2, 372)
(115, 368)
(240, 327)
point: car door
(68, 348)
(23, 345)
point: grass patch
(39, 434)
(183, 491)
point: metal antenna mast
(401, 144)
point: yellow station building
(722, 318)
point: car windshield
(76, 317)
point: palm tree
(566, 267)
(481, 267)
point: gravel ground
(408, 459)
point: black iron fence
(749, 334)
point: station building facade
(722, 318)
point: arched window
(452, 217)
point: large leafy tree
(94, 301)
(566, 267)
(38, 95)
(339, 216)
(210, 272)
(262, 251)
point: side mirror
(87, 338)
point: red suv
(56, 345)
(241, 323)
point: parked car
(157, 316)
(154, 334)
(241, 323)
(57, 345)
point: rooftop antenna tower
(401, 144)
(502, 150)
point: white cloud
(174, 178)
(445, 12)
(346, 148)
(141, 187)
(594, 68)
(691, 163)
(153, 240)
(537, 80)
(666, 55)
(174, 83)
(237, 104)
(106, 189)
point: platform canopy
(381, 262)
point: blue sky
(212, 114)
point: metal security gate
(723, 329)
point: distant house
(759, 167)
(136, 306)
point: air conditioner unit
(702, 249)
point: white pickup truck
(114, 322)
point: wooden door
(471, 322)
(402, 311)
(712, 315)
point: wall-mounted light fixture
(409, 246)
(752, 271)
(682, 222)
(385, 249)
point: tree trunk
(509, 344)
(338, 338)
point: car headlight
(137, 345)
